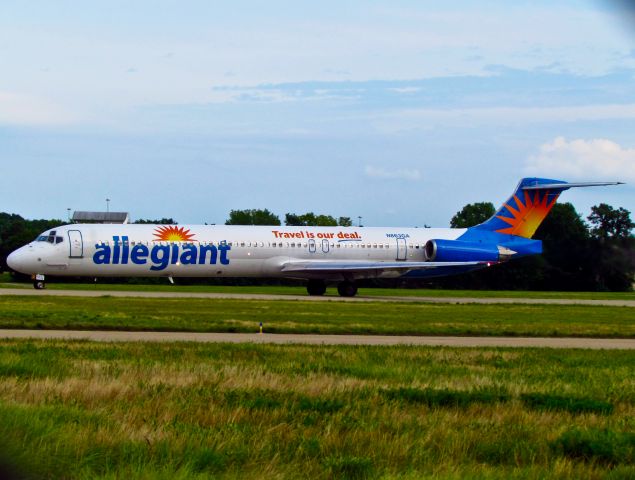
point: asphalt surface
(118, 336)
(307, 298)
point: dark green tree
(293, 220)
(566, 248)
(612, 254)
(325, 221)
(608, 222)
(472, 214)
(345, 222)
(252, 217)
(163, 221)
(310, 219)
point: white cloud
(584, 159)
(18, 109)
(399, 173)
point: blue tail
(513, 225)
(526, 209)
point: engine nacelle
(458, 251)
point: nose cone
(15, 261)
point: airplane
(318, 255)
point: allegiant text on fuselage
(160, 256)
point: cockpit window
(51, 237)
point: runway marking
(274, 338)
(307, 298)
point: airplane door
(311, 246)
(402, 249)
(325, 246)
(76, 244)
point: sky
(400, 112)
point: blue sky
(399, 112)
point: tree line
(265, 217)
(598, 254)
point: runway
(307, 298)
(282, 339)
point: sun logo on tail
(527, 217)
(173, 234)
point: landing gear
(347, 289)
(38, 281)
(316, 287)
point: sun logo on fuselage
(173, 234)
(527, 217)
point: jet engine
(459, 251)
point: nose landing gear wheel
(316, 287)
(347, 289)
(39, 285)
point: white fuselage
(214, 251)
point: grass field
(91, 410)
(281, 316)
(6, 282)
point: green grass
(95, 410)
(293, 316)
(6, 282)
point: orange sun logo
(527, 217)
(173, 234)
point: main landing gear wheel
(347, 289)
(39, 285)
(316, 287)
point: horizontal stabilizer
(564, 186)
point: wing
(363, 269)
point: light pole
(359, 221)
(69, 214)
(107, 205)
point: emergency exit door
(402, 249)
(76, 243)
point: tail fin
(532, 200)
